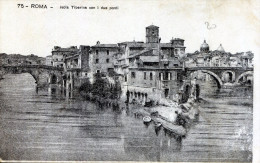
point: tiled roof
(65, 49)
(105, 46)
(150, 59)
(140, 53)
(134, 44)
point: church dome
(204, 47)
(220, 48)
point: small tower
(152, 34)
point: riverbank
(173, 117)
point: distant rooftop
(152, 26)
(71, 48)
(98, 45)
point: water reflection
(152, 146)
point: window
(132, 75)
(98, 71)
(151, 76)
(97, 60)
(144, 75)
(96, 52)
(107, 60)
(107, 52)
(126, 78)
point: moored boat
(147, 119)
(157, 124)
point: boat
(157, 124)
(147, 119)
(179, 130)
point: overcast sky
(36, 31)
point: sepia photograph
(139, 81)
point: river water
(45, 125)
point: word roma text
(40, 6)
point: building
(150, 71)
(101, 59)
(58, 54)
(218, 58)
(76, 67)
(48, 60)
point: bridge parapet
(220, 68)
(34, 66)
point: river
(45, 125)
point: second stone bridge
(234, 74)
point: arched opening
(202, 75)
(166, 92)
(197, 90)
(245, 79)
(228, 76)
(207, 84)
(186, 93)
(215, 77)
(54, 79)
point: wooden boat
(157, 124)
(179, 130)
(147, 119)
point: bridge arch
(215, 77)
(244, 74)
(230, 78)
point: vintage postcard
(149, 81)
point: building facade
(59, 53)
(76, 67)
(101, 59)
(150, 71)
(48, 60)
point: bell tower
(152, 34)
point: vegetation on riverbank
(101, 88)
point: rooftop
(105, 46)
(152, 26)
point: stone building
(58, 54)
(76, 67)
(150, 70)
(48, 60)
(218, 58)
(101, 59)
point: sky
(37, 31)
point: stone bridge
(224, 76)
(42, 74)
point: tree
(86, 87)
(100, 86)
